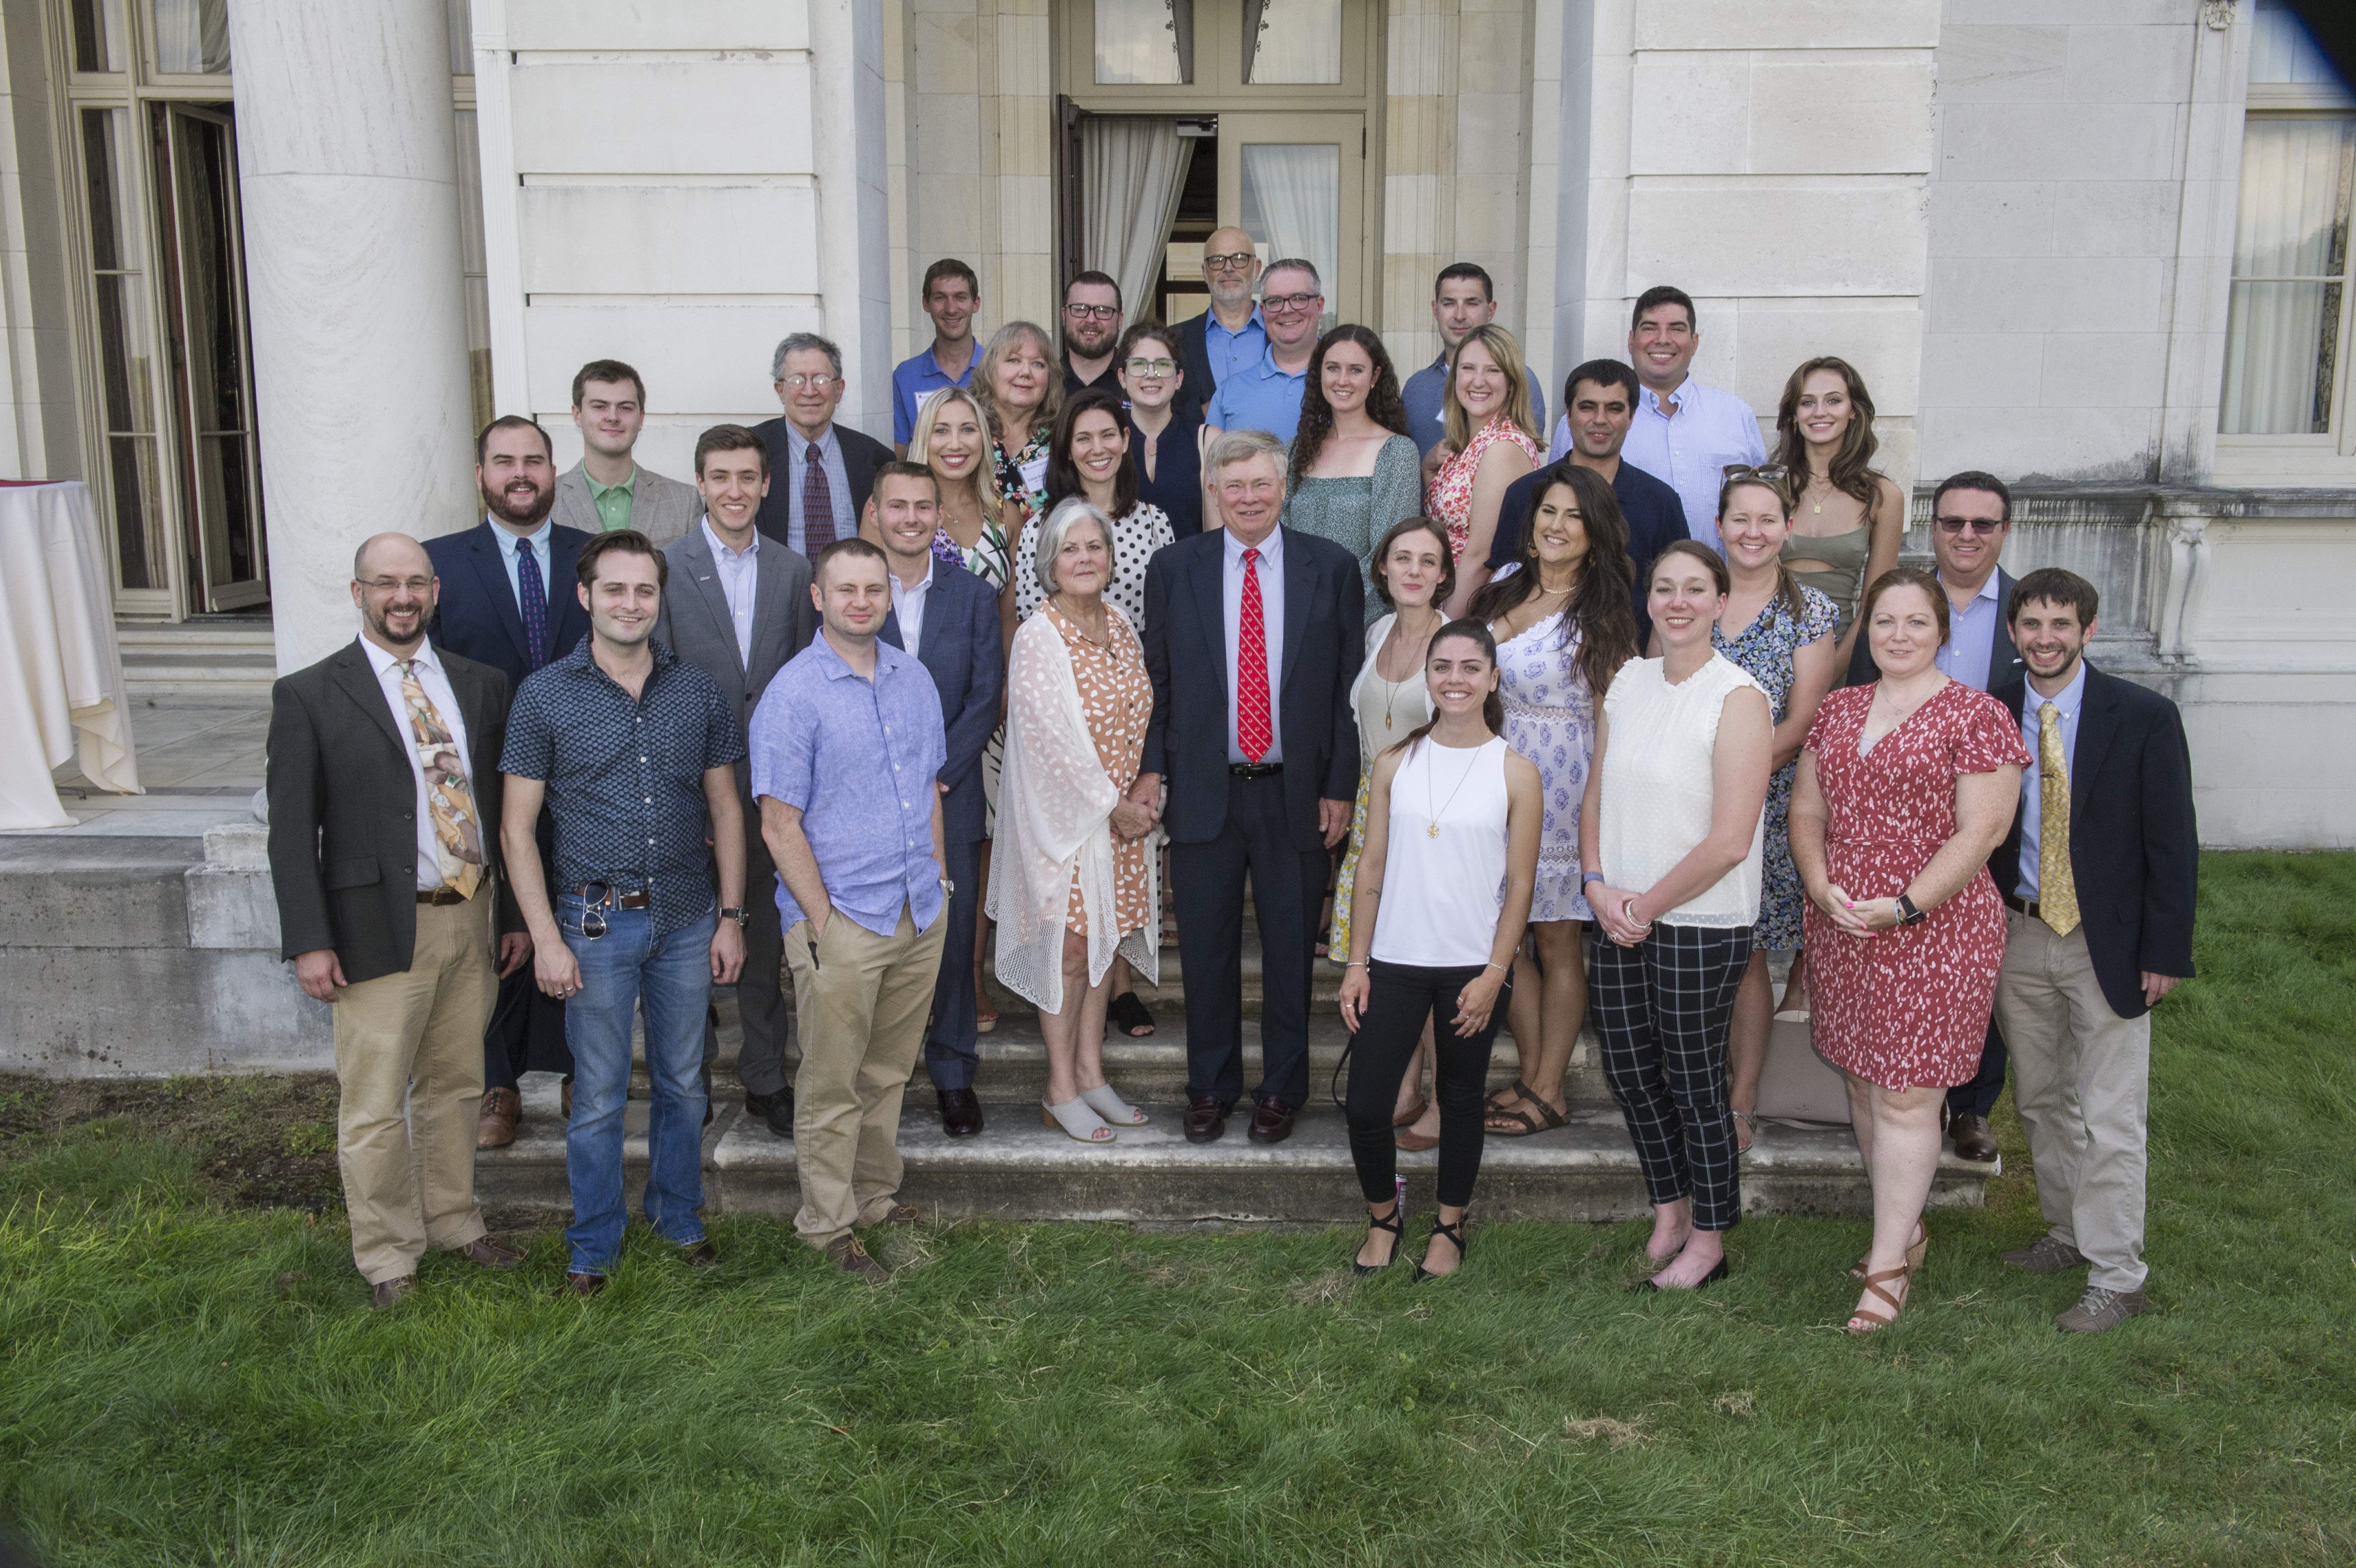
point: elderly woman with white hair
(1074, 877)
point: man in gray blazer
(607, 488)
(739, 607)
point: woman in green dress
(1353, 471)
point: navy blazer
(861, 456)
(2004, 659)
(477, 616)
(1186, 653)
(2135, 849)
(962, 651)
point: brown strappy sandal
(1913, 1253)
(1865, 1320)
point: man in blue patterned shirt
(635, 753)
(847, 745)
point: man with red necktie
(1262, 766)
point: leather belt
(616, 898)
(1254, 769)
(2027, 907)
(440, 896)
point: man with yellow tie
(384, 835)
(2099, 875)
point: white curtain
(1132, 173)
(1292, 204)
(1293, 41)
(192, 36)
(2288, 250)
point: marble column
(346, 162)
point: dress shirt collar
(1987, 592)
(382, 659)
(799, 444)
(720, 550)
(597, 491)
(507, 538)
(922, 584)
(1271, 549)
(834, 667)
(1211, 323)
(1682, 394)
(1276, 372)
(2069, 699)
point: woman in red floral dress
(1903, 789)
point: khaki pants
(860, 1009)
(409, 1059)
(2081, 1079)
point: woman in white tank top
(1669, 835)
(1438, 906)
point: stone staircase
(226, 658)
(1017, 1169)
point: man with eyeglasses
(1462, 301)
(383, 857)
(820, 472)
(1228, 337)
(1266, 396)
(1091, 327)
(1970, 515)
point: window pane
(2281, 49)
(462, 38)
(97, 35)
(1145, 42)
(473, 264)
(1293, 41)
(126, 358)
(1293, 205)
(2290, 252)
(192, 37)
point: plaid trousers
(1661, 1010)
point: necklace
(1432, 829)
(1391, 688)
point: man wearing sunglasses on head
(1970, 515)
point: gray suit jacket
(663, 509)
(694, 623)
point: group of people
(1567, 733)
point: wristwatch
(1907, 914)
(741, 916)
(949, 888)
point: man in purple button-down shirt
(847, 746)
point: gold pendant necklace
(1431, 829)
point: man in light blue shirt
(1684, 434)
(1227, 338)
(1266, 396)
(2067, 703)
(951, 294)
(1462, 301)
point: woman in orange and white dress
(1493, 440)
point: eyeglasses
(1149, 367)
(1289, 302)
(1236, 262)
(1092, 312)
(1983, 527)
(1773, 473)
(815, 383)
(393, 584)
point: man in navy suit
(2099, 877)
(948, 618)
(1262, 764)
(508, 602)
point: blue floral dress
(1764, 652)
(1550, 720)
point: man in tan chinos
(383, 856)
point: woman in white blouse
(1669, 837)
(1074, 878)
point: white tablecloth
(61, 687)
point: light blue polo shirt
(1259, 398)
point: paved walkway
(200, 763)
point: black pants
(1207, 889)
(951, 1051)
(1978, 1097)
(1399, 998)
(526, 1033)
(1661, 1009)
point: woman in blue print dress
(1562, 620)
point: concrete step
(250, 636)
(1019, 1170)
(219, 659)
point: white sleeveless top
(1658, 787)
(1442, 893)
(1386, 711)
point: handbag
(1798, 1085)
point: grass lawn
(190, 1375)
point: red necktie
(817, 505)
(1252, 735)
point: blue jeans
(669, 978)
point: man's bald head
(390, 556)
(394, 586)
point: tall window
(2286, 334)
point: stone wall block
(2145, 64)
(2058, 141)
(1790, 25)
(659, 239)
(1694, 111)
(1845, 112)
(663, 116)
(1881, 338)
(703, 363)
(1785, 235)
(2002, 217)
(2022, 64)
(643, 24)
(155, 1012)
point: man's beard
(545, 501)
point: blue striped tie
(531, 595)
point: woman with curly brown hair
(1353, 471)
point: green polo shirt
(613, 502)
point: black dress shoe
(1272, 1121)
(1206, 1118)
(776, 1109)
(960, 1113)
(1974, 1138)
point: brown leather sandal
(1865, 1320)
(1913, 1253)
(1546, 1121)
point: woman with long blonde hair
(1493, 442)
(1020, 389)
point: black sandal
(1453, 1232)
(1391, 1224)
(1547, 1120)
(1128, 1013)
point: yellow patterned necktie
(2057, 887)
(457, 832)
